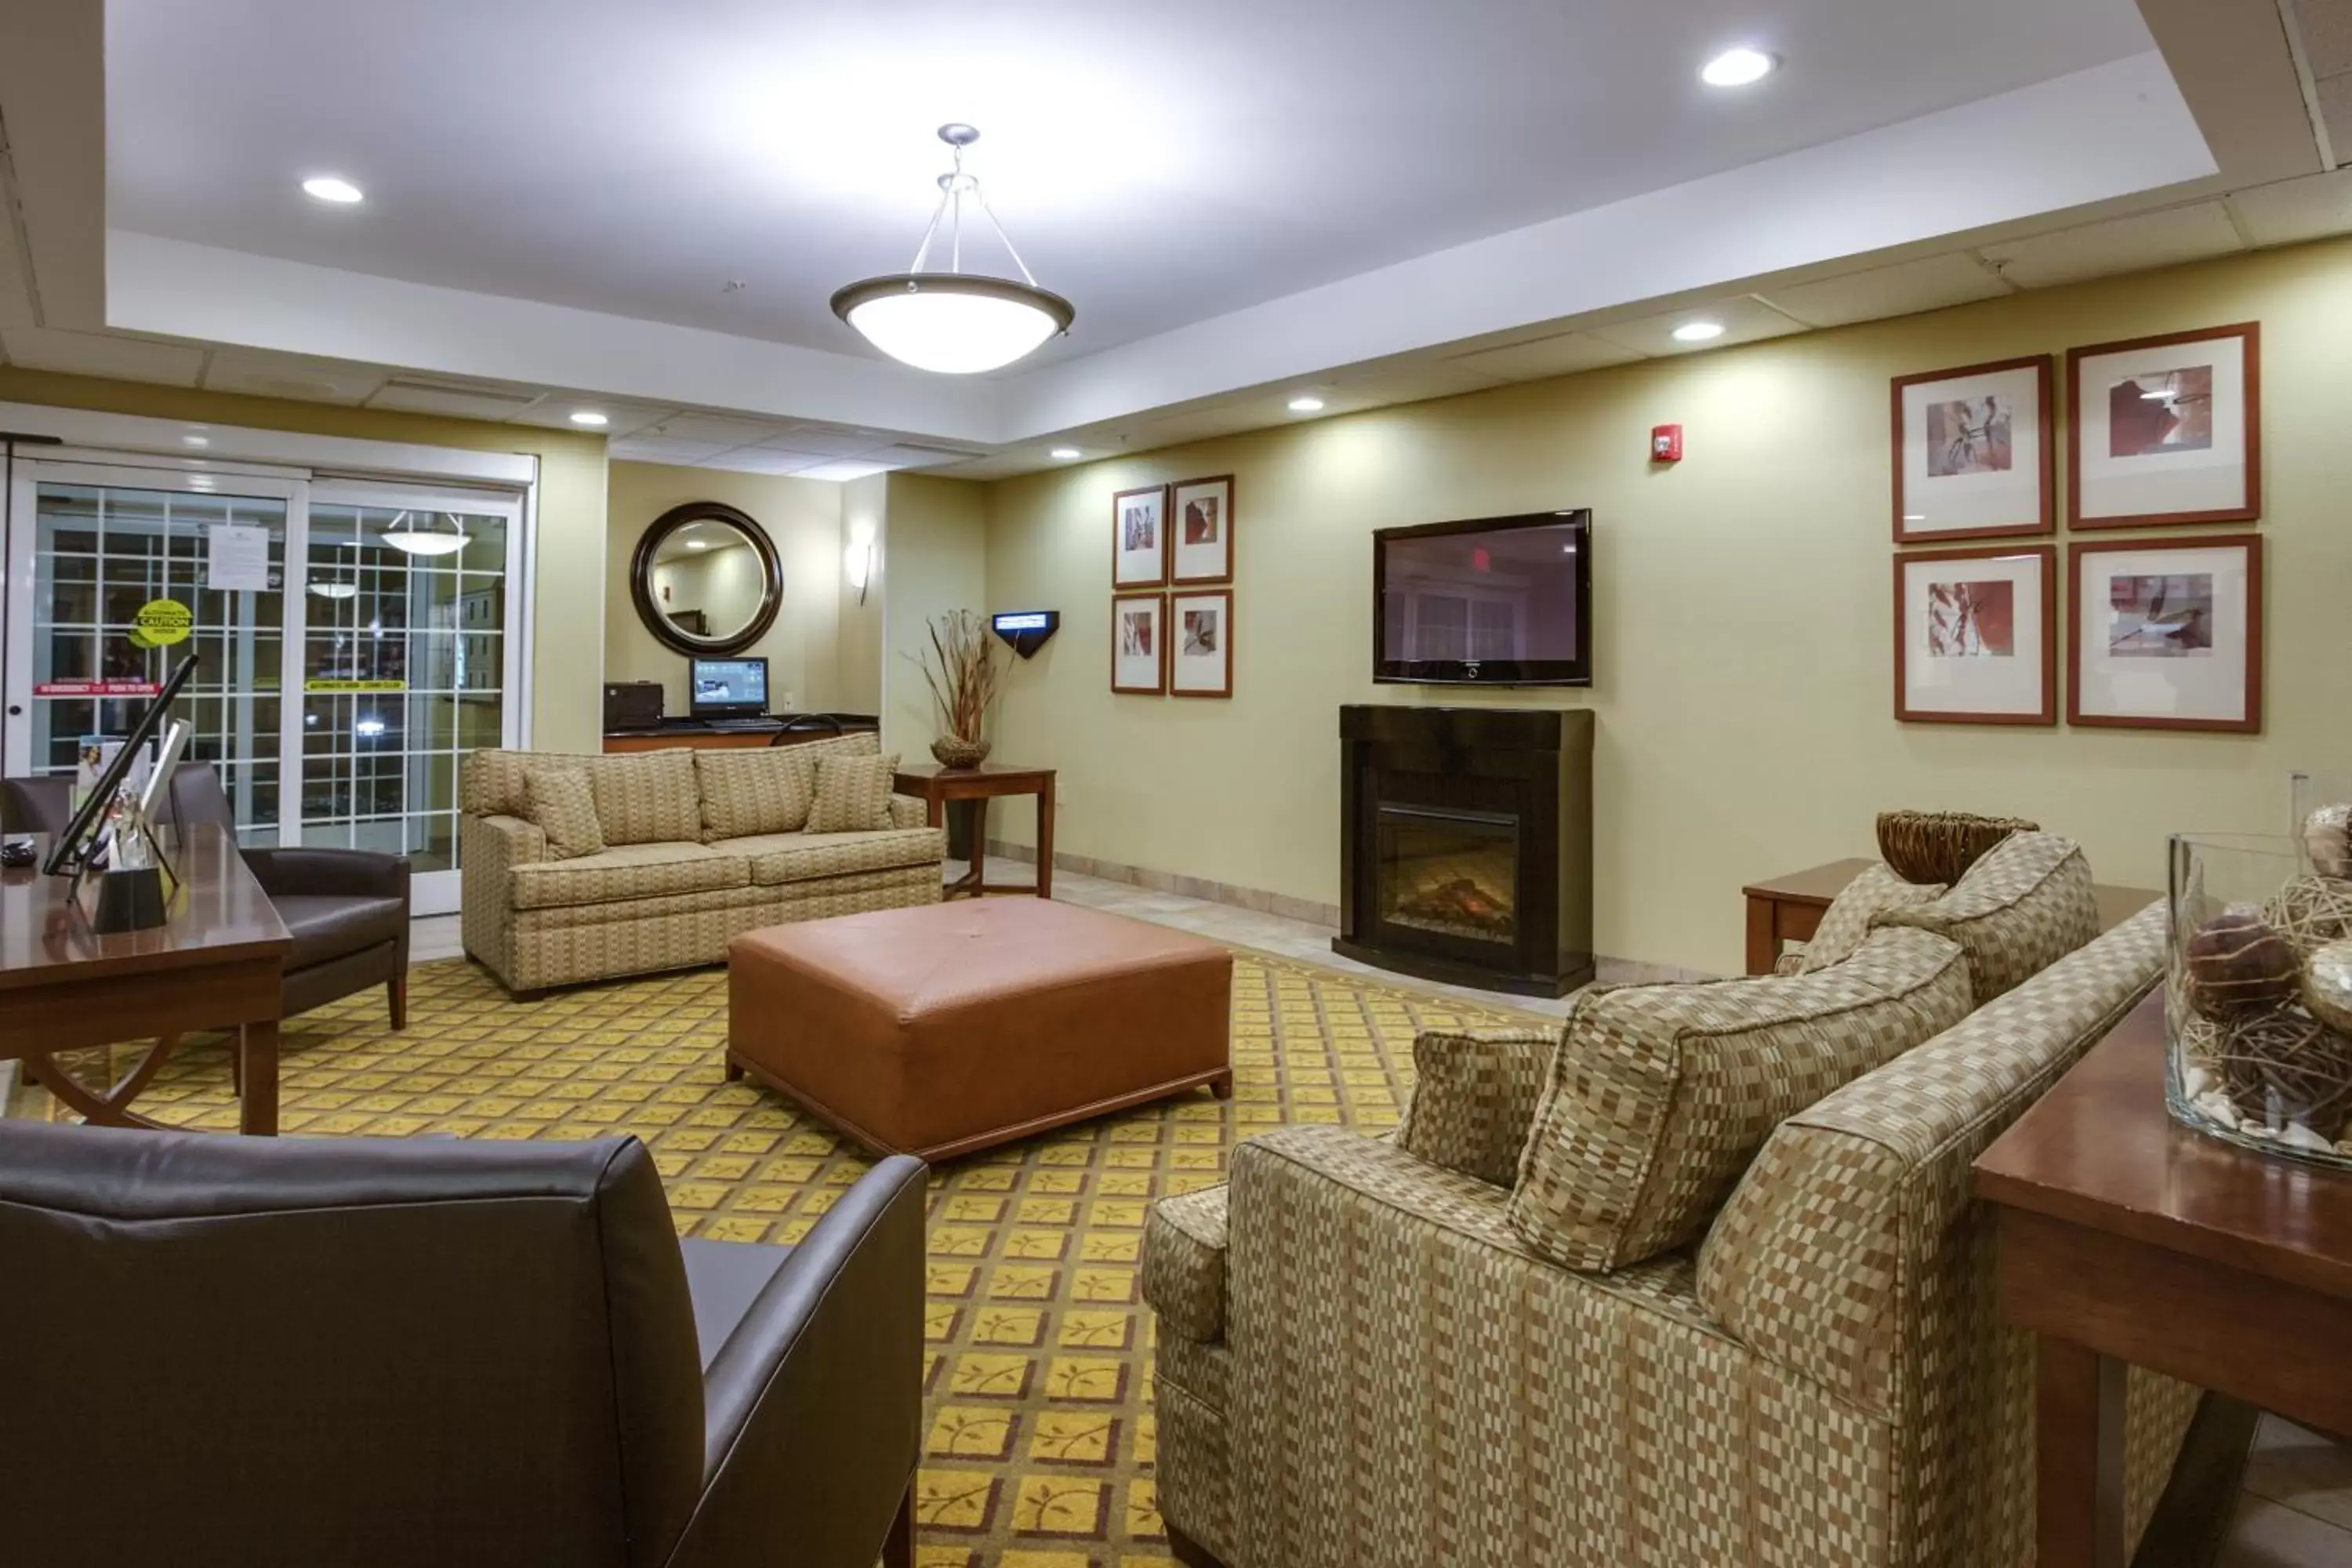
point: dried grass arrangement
(963, 670)
(1939, 846)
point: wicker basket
(1939, 846)
(954, 751)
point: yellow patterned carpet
(1038, 1382)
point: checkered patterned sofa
(685, 866)
(1658, 1291)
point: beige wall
(935, 547)
(803, 516)
(567, 713)
(1743, 607)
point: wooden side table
(2125, 1237)
(936, 786)
(1789, 909)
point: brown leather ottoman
(944, 1029)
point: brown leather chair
(346, 908)
(255, 1353)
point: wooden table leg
(1045, 840)
(2078, 1443)
(1763, 944)
(256, 1046)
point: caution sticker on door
(342, 685)
(160, 623)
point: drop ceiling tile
(844, 471)
(662, 449)
(2327, 29)
(718, 429)
(2335, 96)
(1564, 353)
(554, 412)
(835, 440)
(102, 353)
(1902, 289)
(1744, 320)
(764, 460)
(2119, 245)
(16, 283)
(458, 402)
(292, 375)
(2293, 210)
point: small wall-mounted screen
(729, 688)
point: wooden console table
(219, 963)
(936, 786)
(2126, 1238)
(1790, 909)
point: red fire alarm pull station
(1667, 444)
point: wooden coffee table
(1790, 909)
(2126, 1238)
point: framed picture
(1138, 538)
(1201, 524)
(2166, 430)
(1975, 636)
(2166, 635)
(1201, 639)
(1138, 643)
(1973, 456)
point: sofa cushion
(764, 790)
(1847, 919)
(1475, 1095)
(647, 797)
(1661, 1095)
(490, 781)
(779, 857)
(560, 804)
(627, 872)
(853, 794)
(2025, 905)
(1184, 1264)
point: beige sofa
(1656, 1293)
(685, 866)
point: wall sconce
(857, 558)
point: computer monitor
(727, 688)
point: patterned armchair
(1369, 1354)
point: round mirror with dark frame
(706, 580)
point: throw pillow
(647, 797)
(559, 802)
(1661, 1095)
(1473, 1097)
(1847, 919)
(853, 794)
(745, 792)
(2024, 906)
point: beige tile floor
(2296, 1509)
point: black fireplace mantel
(1501, 800)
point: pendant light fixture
(954, 323)
(421, 538)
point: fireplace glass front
(1451, 874)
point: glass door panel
(101, 552)
(405, 669)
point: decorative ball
(2327, 835)
(2327, 985)
(2282, 1066)
(2237, 964)
(2311, 912)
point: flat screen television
(727, 688)
(1496, 601)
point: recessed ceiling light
(328, 188)
(1306, 406)
(697, 544)
(1064, 454)
(195, 441)
(589, 418)
(1737, 67)
(1698, 332)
